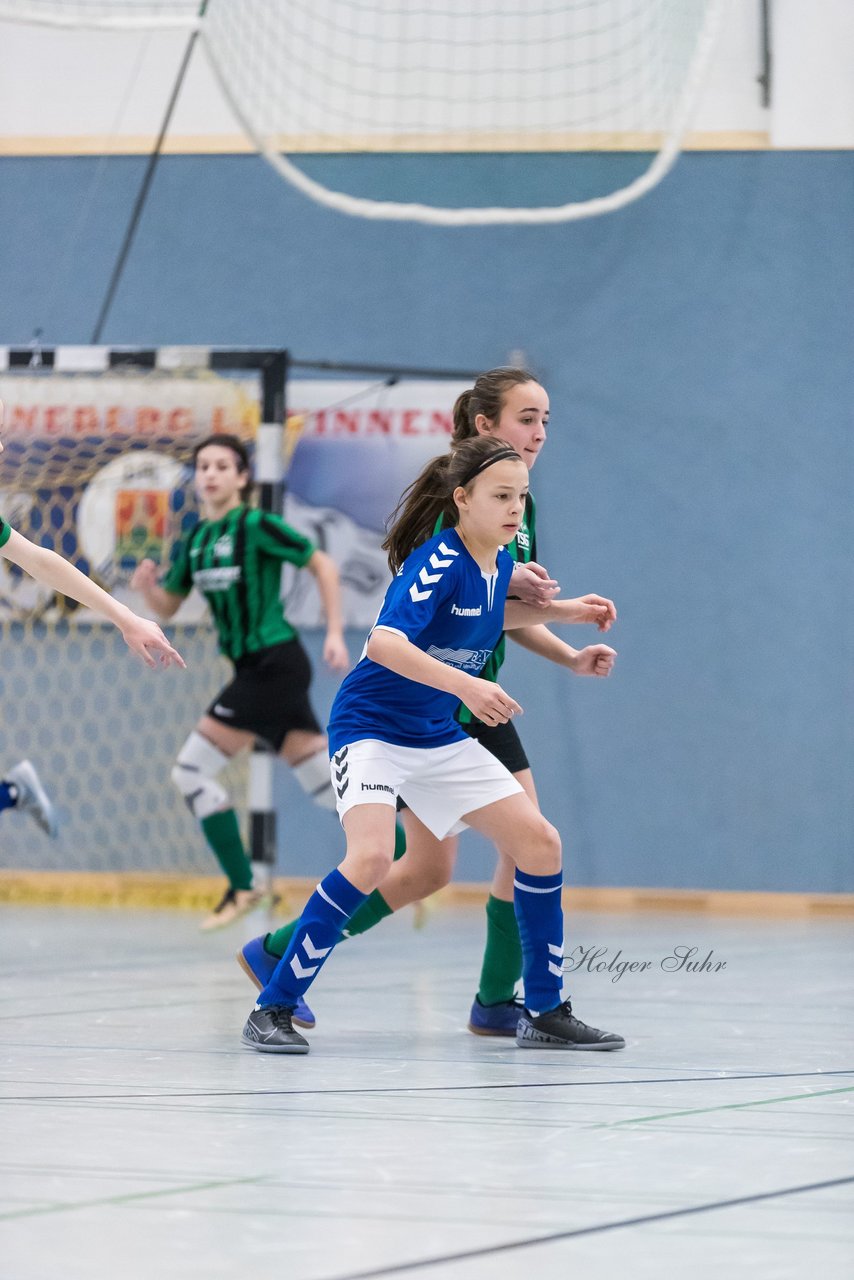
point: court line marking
(726, 1106)
(129, 1198)
(431, 1088)
(467, 1255)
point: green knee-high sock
(222, 833)
(502, 956)
(372, 910)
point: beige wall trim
(236, 144)
(199, 893)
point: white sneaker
(32, 797)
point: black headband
(498, 456)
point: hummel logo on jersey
(224, 547)
(427, 579)
(467, 613)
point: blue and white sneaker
(495, 1019)
(258, 965)
(32, 797)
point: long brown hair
(432, 495)
(487, 397)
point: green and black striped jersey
(523, 549)
(236, 563)
(5, 532)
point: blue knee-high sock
(318, 930)
(540, 916)
(7, 799)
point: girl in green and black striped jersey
(234, 556)
(511, 405)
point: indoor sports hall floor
(141, 1140)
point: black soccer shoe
(270, 1029)
(559, 1029)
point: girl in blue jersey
(393, 732)
(510, 405)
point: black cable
(142, 195)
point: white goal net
(428, 76)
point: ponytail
(431, 495)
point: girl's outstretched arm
(140, 635)
(595, 660)
(594, 610)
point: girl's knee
(552, 850)
(541, 849)
(432, 878)
(367, 864)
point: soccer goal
(95, 466)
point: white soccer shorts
(439, 784)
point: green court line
(729, 1106)
(126, 1199)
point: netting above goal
(404, 75)
(435, 76)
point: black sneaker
(270, 1029)
(559, 1029)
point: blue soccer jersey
(444, 604)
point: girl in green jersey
(234, 556)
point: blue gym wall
(698, 350)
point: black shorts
(500, 740)
(269, 694)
